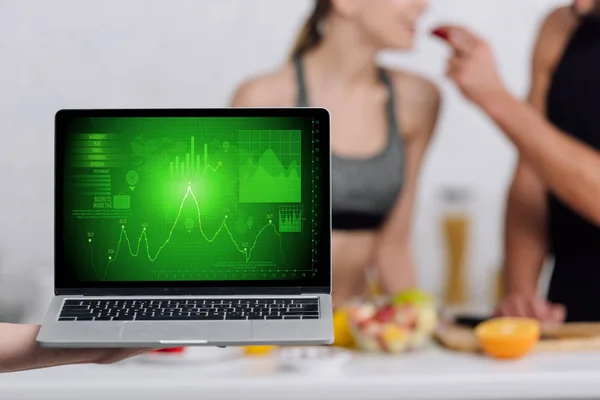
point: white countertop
(431, 374)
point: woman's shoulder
(411, 85)
(418, 101)
(275, 88)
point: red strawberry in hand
(385, 314)
(441, 33)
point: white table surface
(431, 374)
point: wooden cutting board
(568, 337)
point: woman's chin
(404, 46)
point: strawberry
(441, 32)
(385, 314)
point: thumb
(458, 37)
(558, 312)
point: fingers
(539, 309)
(515, 307)
(460, 39)
(525, 307)
(558, 313)
(455, 65)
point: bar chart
(191, 165)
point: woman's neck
(344, 56)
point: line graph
(123, 236)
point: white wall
(192, 53)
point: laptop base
(163, 334)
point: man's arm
(567, 166)
(19, 351)
(525, 231)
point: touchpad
(191, 331)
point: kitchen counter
(208, 374)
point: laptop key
(67, 319)
(234, 314)
(74, 307)
(89, 318)
(188, 318)
(202, 318)
(307, 301)
(274, 317)
(76, 312)
(180, 315)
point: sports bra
(364, 190)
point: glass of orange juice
(455, 221)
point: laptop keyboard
(186, 310)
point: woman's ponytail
(310, 35)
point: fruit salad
(393, 325)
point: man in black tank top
(554, 202)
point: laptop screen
(192, 198)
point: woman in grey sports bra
(382, 122)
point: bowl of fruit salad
(399, 324)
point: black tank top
(573, 105)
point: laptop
(191, 227)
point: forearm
(396, 268)
(524, 253)
(569, 168)
(19, 350)
(525, 233)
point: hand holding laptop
(20, 352)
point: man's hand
(472, 66)
(531, 307)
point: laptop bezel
(322, 286)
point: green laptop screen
(193, 198)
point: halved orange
(508, 337)
(341, 330)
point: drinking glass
(456, 221)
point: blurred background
(193, 53)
